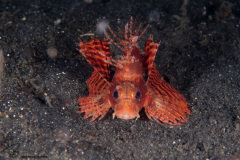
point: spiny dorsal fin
(130, 40)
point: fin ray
(97, 53)
(96, 105)
(97, 84)
(164, 103)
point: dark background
(199, 55)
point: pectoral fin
(97, 103)
(163, 103)
(97, 53)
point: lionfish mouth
(127, 116)
(126, 111)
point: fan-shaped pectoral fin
(97, 103)
(164, 103)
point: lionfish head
(125, 99)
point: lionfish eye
(115, 94)
(138, 94)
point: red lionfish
(128, 91)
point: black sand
(199, 55)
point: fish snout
(126, 110)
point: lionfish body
(128, 91)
